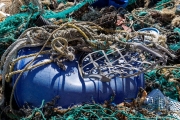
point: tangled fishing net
(99, 32)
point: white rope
(8, 60)
(3, 58)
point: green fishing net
(14, 25)
(159, 5)
(176, 46)
(131, 2)
(177, 30)
(11, 28)
(164, 83)
(97, 112)
(61, 1)
(63, 14)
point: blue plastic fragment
(156, 100)
(115, 3)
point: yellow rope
(62, 47)
(83, 34)
(34, 66)
(30, 55)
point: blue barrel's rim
(149, 29)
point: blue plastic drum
(118, 3)
(115, 3)
(48, 81)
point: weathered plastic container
(148, 30)
(48, 81)
(121, 3)
(104, 3)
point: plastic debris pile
(142, 40)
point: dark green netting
(168, 87)
(61, 1)
(176, 46)
(177, 30)
(63, 14)
(142, 13)
(14, 25)
(159, 5)
(97, 112)
(131, 2)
